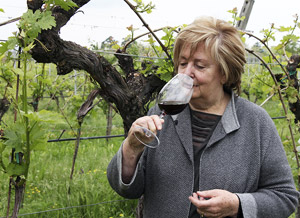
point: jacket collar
(229, 119)
(183, 128)
(228, 123)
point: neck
(215, 105)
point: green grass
(48, 183)
(274, 108)
(88, 194)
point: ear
(223, 79)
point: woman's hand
(215, 203)
(153, 123)
(133, 148)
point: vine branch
(10, 21)
(282, 103)
(267, 47)
(151, 31)
(144, 34)
(292, 32)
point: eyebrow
(196, 59)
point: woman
(221, 156)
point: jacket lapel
(228, 123)
(184, 131)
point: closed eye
(200, 67)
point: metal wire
(71, 207)
(85, 138)
(130, 55)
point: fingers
(208, 194)
(138, 137)
(153, 123)
(203, 208)
(215, 203)
(199, 201)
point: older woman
(221, 156)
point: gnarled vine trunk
(131, 93)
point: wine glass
(172, 99)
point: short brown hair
(222, 41)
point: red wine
(172, 107)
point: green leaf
(45, 116)
(240, 18)
(292, 94)
(14, 169)
(47, 21)
(29, 47)
(150, 40)
(19, 72)
(10, 44)
(33, 23)
(115, 46)
(3, 47)
(64, 4)
(292, 37)
(166, 77)
(284, 29)
(2, 147)
(38, 138)
(290, 116)
(15, 136)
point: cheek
(202, 79)
(196, 91)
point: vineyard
(65, 109)
(51, 162)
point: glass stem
(162, 114)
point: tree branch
(282, 103)
(147, 26)
(115, 88)
(144, 34)
(267, 47)
(10, 21)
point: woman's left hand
(215, 203)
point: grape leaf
(45, 116)
(64, 4)
(14, 169)
(47, 21)
(15, 136)
(38, 138)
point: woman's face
(208, 81)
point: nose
(189, 70)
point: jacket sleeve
(135, 188)
(276, 196)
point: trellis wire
(130, 55)
(71, 207)
(85, 138)
(115, 136)
(147, 57)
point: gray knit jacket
(244, 155)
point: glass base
(146, 137)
